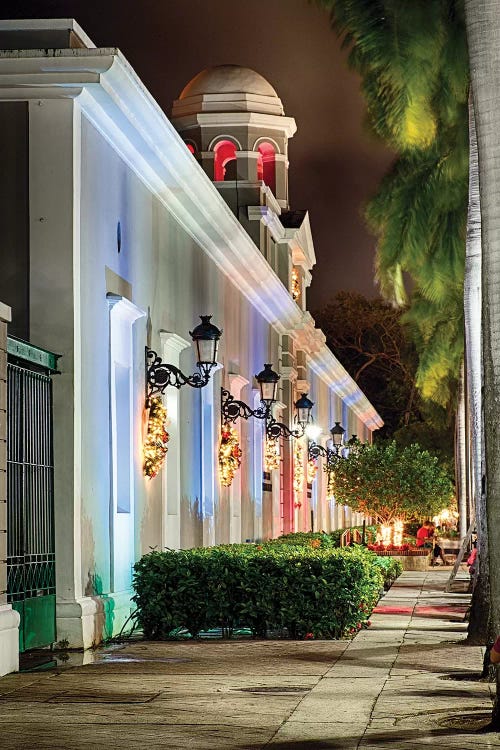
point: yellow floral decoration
(271, 454)
(312, 470)
(298, 474)
(229, 455)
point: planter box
(411, 560)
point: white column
(171, 347)
(54, 191)
(258, 438)
(236, 385)
(209, 447)
(123, 315)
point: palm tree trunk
(461, 457)
(483, 32)
(479, 616)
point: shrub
(390, 569)
(319, 538)
(326, 592)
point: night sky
(334, 164)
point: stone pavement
(406, 682)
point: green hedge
(390, 569)
(319, 538)
(328, 593)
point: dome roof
(228, 79)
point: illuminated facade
(132, 235)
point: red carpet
(423, 611)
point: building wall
(103, 245)
(172, 281)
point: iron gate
(30, 505)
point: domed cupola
(232, 120)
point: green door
(30, 504)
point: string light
(155, 445)
(298, 473)
(397, 538)
(386, 534)
(229, 454)
(271, 454)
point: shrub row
(325, 592)
(320, 538)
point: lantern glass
(304, 407)
(268, 384)
(206, 338)
(206, 351)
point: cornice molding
(284, 125)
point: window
(224, 161)
(123, 423)
(266, 165)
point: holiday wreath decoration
(155, 445)
(229, 454)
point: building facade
(124, 228)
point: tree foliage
(412, 58)
(375, 347)
(368, 338)
(388, 482)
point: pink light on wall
(266, 165)
(225, 151)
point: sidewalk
(403, 683)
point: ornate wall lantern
(337, 432)
(303, 409)
(159, 375)
(233, 409)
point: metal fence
(30, 532)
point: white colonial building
(119, 228)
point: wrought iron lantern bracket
(315, 451)
(275, 430)
(159, 375)
(233, 409)
(331, 454)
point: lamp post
(159, 375)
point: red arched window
(266, 165)
(191, 148)
(225, 151)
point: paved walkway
(406, 682)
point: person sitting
(495, 652)
(425, 539)
(472, 560)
